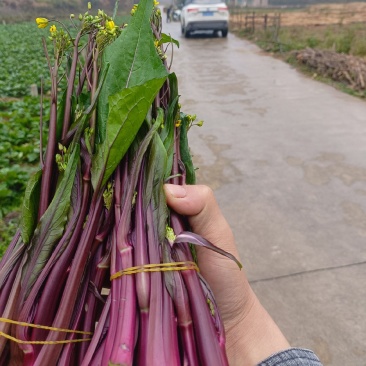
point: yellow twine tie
(23, 324)
(161, 267)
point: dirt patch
(339, 67)
(314, 15)
(322, 14)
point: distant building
(257, 3)
(249, 3)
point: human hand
(250, 332)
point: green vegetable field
(22, 63)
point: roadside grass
(342, 38)
(349, 39)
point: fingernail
(176, 190)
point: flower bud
(42, 22)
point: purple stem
(215, 313)
(124, 343)
(200, 311)
(9, 310)
(5, 291)
(98, 336)
(4, 356)
(45, 312)
(67, 355)
(170, 330)
(88, 61)
(13, 259)
(178, 292)
(48, 356)
(210, 351)
(160, 327)
(143, 278)
(114, 311)
(9, 250)
(70, 86)
(52, 278)
(49, 165)
(120, 179)
(123, 347)
(93, 302)
(98, 356)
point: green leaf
(154, 184)
(173, 86)
(133, 61)
(156, 166)
(128, 109)
(185, 153)
(51, 225)
(167, 133)
(165, 38)
(28, 220)
(169, 125)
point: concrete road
(286, 156)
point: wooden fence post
(253, 22)
(34, 90)
(265, 21)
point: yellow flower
(134, 8)
(42, 22)
(156, 3)
(53, 29)
(178, 123)
(110, 25)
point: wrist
(254, 336)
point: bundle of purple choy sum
(101, 271)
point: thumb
(199, 204)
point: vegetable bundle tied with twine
(100, 271)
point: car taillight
(192, 10)
(222, 8)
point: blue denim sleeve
(292, 357)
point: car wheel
(216, 33)
(224, 32)
(187, 33)
(182, 28)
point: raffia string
(161, 267)
(24, 324)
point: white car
(202, 15)
(176, 15)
